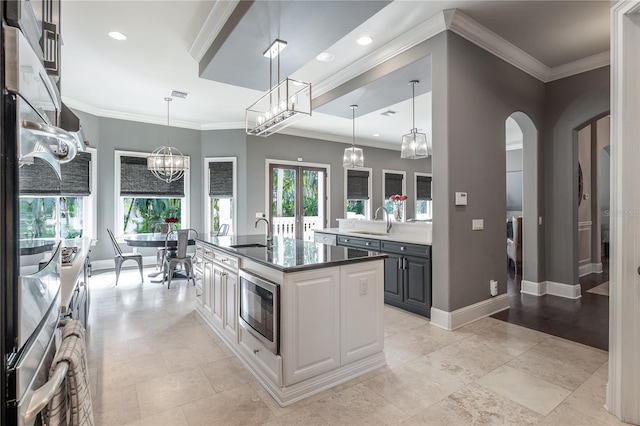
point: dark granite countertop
(288, 254)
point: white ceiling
(130, 79)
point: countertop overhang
(289, 254)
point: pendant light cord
(413, 95)
(353, 127)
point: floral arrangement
(398, 197)
(171, 220)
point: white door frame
(623, 389)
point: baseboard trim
(468, 314)
(105, 265)
(564, 290)
(533, 288)
(589, 268)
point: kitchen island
(325, 325)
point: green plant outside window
(141, 215)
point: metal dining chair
(121, 257)
(161, 252)
(181, 257)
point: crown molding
(471, 30)
(409, 39)
(231, 125)
(599, 60)
(212, 26)
(120, 115)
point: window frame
(208, 226)
(404, 189)
(415, 192)
(118, 221)
(369, 190)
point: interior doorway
(297, 200)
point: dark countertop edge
(391, 238)
(377, 256)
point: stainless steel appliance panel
(260, 309)
(36, 294)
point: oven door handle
(45, 393)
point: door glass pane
(312, 202)
(283, 202)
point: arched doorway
(527, 204)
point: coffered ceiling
(213, 51)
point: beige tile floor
(154, 362)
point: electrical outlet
(493, 287)
(364, 287)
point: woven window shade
(137, 181)
(392, 184)
(40, 179)
(357, 185)
(423, 187)
(221, 179)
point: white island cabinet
(330, 306)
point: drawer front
(207, 253)
(328, 239)
(405, 248)
(364, 243)
(262, 357)
(225, 260)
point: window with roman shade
(221, 179)
(137, 181)
(392, 184)
(423, 187)
(40, 179)
(357, 185)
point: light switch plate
(461, 198)
(477, 224)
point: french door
(297, 200)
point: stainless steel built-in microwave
(260, 309)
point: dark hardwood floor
(584, 320)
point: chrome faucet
(269, 237)
(386, 214)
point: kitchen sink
(248, 245)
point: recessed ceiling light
(117, 36)
(376, 135)
(364, 40)
(325, 57)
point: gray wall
(108, 135)
(571, 103)
(482, 91)
(290, 148)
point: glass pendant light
(353, 157)
(414, 144)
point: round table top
(152, 240)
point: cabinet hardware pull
(399, 263)
(255, 351)
(402, 248)
(404, 263)
(346, 240)
(368, 244)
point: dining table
(157, 240)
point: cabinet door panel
(216, 295)
(393, 276)
(417, 289)
(230, 305)
(310, 321)
(207, 284)
(361, 310)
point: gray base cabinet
(407, 272)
